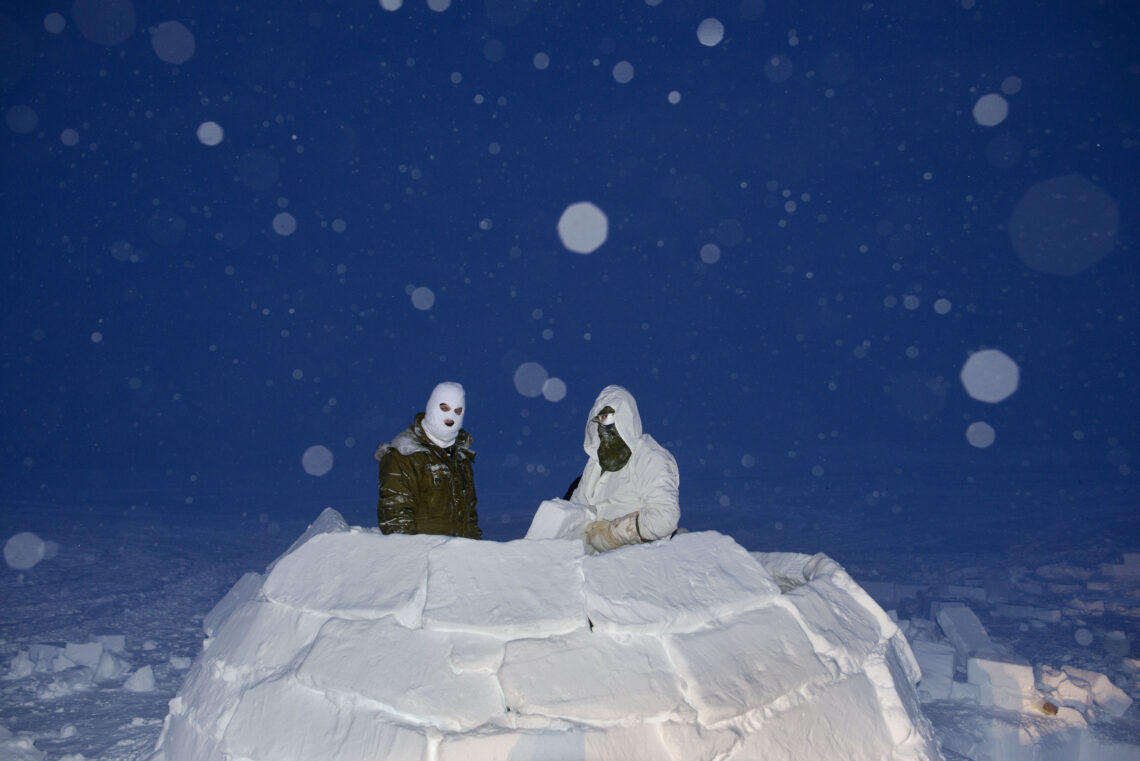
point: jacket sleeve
(658, 482)
(474, 532)
(396, 508)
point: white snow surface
(435, 647)
(98, 638)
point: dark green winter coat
(425, 489)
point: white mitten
(604, 536)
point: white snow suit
(646, 485)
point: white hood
(626, 418)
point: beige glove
(604, 536)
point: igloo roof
(357, 645)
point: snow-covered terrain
(98, 637)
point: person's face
(605, 416)
(449, 419)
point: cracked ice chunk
(140, 681)
(1073, 693)
(1104, 693)
(112, 667)
(86, 654)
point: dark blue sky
(427, 149)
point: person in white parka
(630, 480)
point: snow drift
(356, 645)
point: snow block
(247, 588)
(965, 692)
(729, 672)
(350, 575)
(574, 744)
(893, 673)
(965, 633)
(140, 681)
(973, 732)
(354, 658)
(87, 654)
(68, 681)
(44, 656)
(1104, 693)
(676, 586)
(588, 678)
(1063, 691)
(111, 667)
(852, 727)
(62, 663)
(357, 645)
(261, 637)
(328, 522)
(559, 519)
(201, 712)
(20, 666)
(936, 661)
(279, 720)
(506, 589)
(115, 643)
(841, 628)
(1002, 684)
(792, 569)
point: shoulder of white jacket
(649, 450)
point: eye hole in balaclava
(613, 452)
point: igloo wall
(355, 645)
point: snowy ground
(148, 564)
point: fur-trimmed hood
(413, 439)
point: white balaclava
(440, 426)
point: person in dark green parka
(427, 483)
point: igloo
(356, 645)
